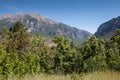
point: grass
(42, 77)
(106, 75)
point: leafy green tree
(18, 26)
(44, 52)
(113, 51)
(2, 57)
(7, 62)
(93, 53)
(32, 63)
(64, 59)
(17, 38)
(4, 33)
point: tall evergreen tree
(18, 39)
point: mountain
(37, 24)
(108, 29)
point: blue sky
(83, 14)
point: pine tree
(17, 38)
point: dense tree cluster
(22, 54)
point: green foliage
(18, 26)
(45, 56)
(113, 52)
(21, 54)
(17, 39)
(64, 58)
(93, 54)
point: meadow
(102, 75)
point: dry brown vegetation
(104, 75)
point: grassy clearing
(107, 75)
(42, 77)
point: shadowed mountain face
(37, 24)
(108, 29)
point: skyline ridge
(83, 14)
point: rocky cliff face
(108, 29)
(37, 24)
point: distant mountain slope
(37, 24)
(107, 29)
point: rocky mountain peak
(37, 24)
(108, 29)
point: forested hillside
(22, 54)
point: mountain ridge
(37, 24)
(108, 29)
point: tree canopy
(22, 54)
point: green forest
(21, 54)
